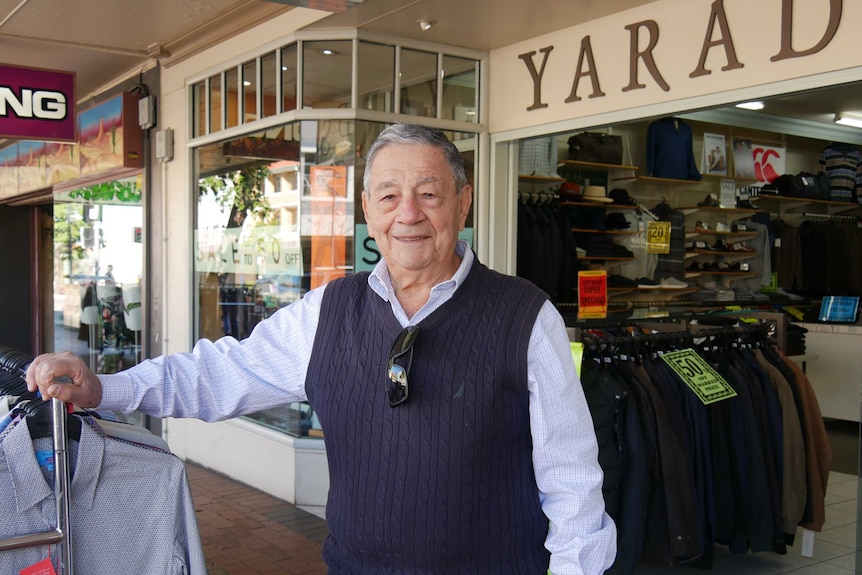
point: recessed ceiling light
(848, 120)
(425, 25)
(756, 105)
(328, 52)
(246, 83)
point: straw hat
(596, 194)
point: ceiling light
(246, 83)
(848, 120)
(328, 52)
(756, 105)
(425, 25)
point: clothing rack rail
(61, 534)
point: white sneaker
(673, 283)
(721, 227)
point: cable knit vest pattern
(443, 483)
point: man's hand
(66, 377)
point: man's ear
(364, 196)
(465, 199)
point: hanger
(38, 417)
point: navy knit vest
(443, 483)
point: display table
(833, 363)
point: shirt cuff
(117, 392)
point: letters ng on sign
(37, 104)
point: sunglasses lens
(400, 359)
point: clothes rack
(61, 534)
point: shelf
(608, 232)
(605, 259)
(598, 205)
(709, 209)
(530, 178)
(650, 294)
(695, 233)
(668, 181)
(783, 205)
(598, 166)
(729, 177)
(737, 255)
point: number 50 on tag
(699, 376)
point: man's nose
(408, 209)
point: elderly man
(457, 433)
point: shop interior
(756, 224)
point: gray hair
(416, 134)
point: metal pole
(62, 484)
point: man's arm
(582, 537)
(215, 381)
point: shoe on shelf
(742, 248)
(701, 226)
(721, 227)
(746, 205)
(708, 202)
(647, 283)
(672, 283)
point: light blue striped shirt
(227, 378)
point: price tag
(658, 237)
(699, 376)
(43, 567)
(593, 293)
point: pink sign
(37, 104)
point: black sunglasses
(397, 390)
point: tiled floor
(246, 532)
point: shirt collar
(27, 479)
(381, 282)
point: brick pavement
(244, 531)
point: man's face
(413, 210)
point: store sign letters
(37, 104)
(644, 37)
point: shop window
(269, 76)
(288, 78)
(418, 83)
(460, 96)
(232, 90)
(249, 91)
(199, 104)
(431, 84)
(279, 213)
(216, 101)
(376, 77)
(327, 74)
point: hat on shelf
(570, 190)
(596, 194)
(616, 221)
(620, 196)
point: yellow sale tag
(699, 376)
(658, 237)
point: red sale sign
(592, 293)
